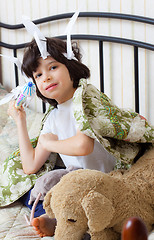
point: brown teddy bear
(89, 201)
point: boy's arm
(78, 145)
(32, 159)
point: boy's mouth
(51, 86)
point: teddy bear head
(79, 211)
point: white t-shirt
(61, 122)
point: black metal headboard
(100, 38)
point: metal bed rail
(100, 38)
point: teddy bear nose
(86, 237)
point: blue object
(39, 208)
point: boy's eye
(53, 67)
(38, 75)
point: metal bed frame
(100, 38)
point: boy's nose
(47, 77)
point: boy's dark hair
(55, 47)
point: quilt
(13, 225)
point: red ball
(134, 229)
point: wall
(119, 68)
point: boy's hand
(46, 139)
(78, 145)
(16, 114)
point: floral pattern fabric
(14, 183)
(120, 131)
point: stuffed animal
(89, 201)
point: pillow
(9, 137)
(3, 108)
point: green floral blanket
(14, 183)
(122, 132)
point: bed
(12, 221)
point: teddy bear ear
(47, 205)
(98, 209)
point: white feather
(18, 64)
(13, 60)
(12, 95)
(70, 54)
(36, 33)
(7, 98)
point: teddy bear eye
(71, 220)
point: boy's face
(53, 80)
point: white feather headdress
(41, 40)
